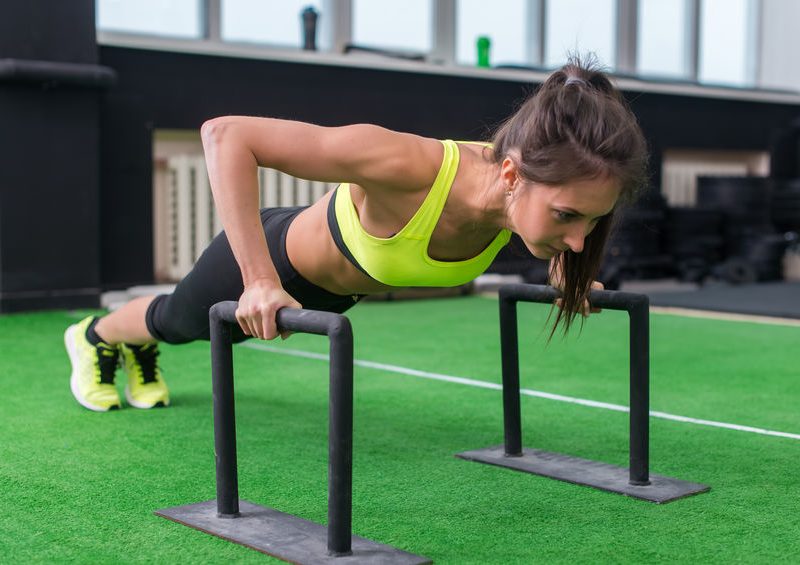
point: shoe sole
(73, 379)
(142, 405)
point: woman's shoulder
(396, 160)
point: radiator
(185, 219)
(679, 178)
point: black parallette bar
(585, 472)
(509, 349)
(279, 534)
(638, 482)
(43, 72)
(639, 416)
(609, 299)
(224, 416)
(284, 536)
(340, 433)
(637, 306)
(288, 319)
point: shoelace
(106, 364)
(147, 357)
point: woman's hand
(586, 308)
(258, 308)
(556, 279)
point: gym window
(663, 35)
(506, 29)
(580, 26)
(727, 47)
(173, 18)
(714, 42)
(405, 25)
(275, 22)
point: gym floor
(80, 486)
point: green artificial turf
(77, 486)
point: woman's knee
(175, 325)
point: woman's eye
(563, 216)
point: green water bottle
(483, 44)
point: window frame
(336, 29)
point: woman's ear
(509, 174)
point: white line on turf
(703, 314)
(725, 316)
(524, 391)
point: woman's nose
(574, 240)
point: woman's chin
(542, 253)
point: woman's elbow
(212, 130)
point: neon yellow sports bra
(403, 260)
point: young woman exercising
(410, 211)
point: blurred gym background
(102, 180)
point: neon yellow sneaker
(146, 387)
(93, 367)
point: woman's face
(551, 219)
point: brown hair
(577, 126)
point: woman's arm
(236, 146)
(364, 154)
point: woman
(412, 211)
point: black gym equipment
(634, 249)
(693, 238)
(745, 204)
(267, 530)
(785, 151)
(754, 251)
(786, 204)
(297, 540)
(636, 481)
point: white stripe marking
(703, 314)
(525, 391)
(725, 316)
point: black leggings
(182, 316)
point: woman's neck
(488, 202)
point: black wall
(49, 126)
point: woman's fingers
(255, 321)
(292, 304)
(268, 324)
(586, 308)
(257, 312)
(596, 285)
(243, 322)
(258, 323)
(250, 322)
